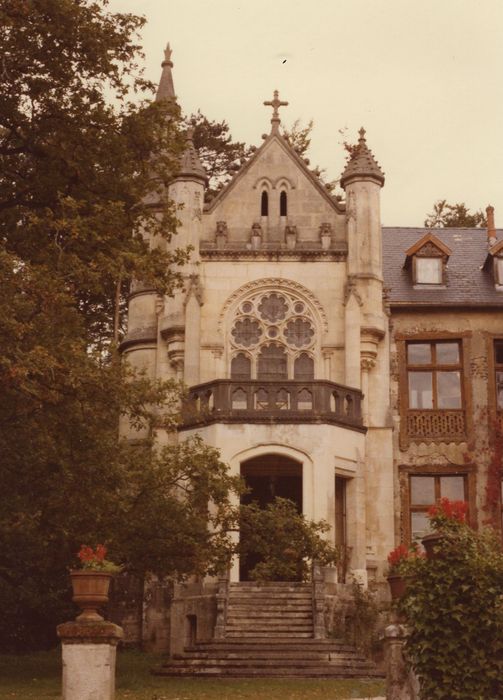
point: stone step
(294, 585)
(269, 619)
(264, 599)
(293, 656)
(265, 645)
(321, 671)
(268, 663)
(260, 634)
(267, 624)
(270, 610)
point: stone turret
(362, 180)
(180, 322)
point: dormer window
(427, 260)
(428, 270)
(498, 270)
(494, 263)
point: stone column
(401, 682)
(193, 332)
(367, 363)
(89, 652)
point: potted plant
(444, 516)
(91, 582)
(397, 572)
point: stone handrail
(288, 401)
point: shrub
(454, 607)
(284, 541)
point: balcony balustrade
(289, 401)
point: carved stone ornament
(291, 236)
(221, 234)
(325, 235)
(367, 363)
(430, 250)
(352, 289)
(256, 230)
(276, 284)
(194, 287)
(256, 235)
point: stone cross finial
(275, 103)
(362, 133)
(167, 55)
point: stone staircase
(269, 633)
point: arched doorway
(268, 477)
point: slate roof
(466, 283)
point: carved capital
(367, 363)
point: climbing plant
(454, 607)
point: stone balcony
(289, 401)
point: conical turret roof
(190, 165)
(362, 163)
(166, 89)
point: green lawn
(37, 676)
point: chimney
(491, 230)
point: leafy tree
(219, 154)
(81, 164)
(299, 137)
(454, 216)
(284, 540)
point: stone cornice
(295, 255)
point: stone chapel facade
(323, 372)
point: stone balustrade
(289, 401)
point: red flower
(449, 510)
(397, 555)
(87, 554)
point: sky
(424, 77)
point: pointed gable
(290, 186)
(428, 246)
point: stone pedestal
(401, 682)
(89, 652)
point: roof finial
(275, 103)
(167, 56)
(362, 133)
(166, 89)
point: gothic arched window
(273, 337)
(264, 204)
(303, 367)
(272, 363)
(282, 204)
(240, 367)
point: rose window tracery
(273, 337)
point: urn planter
(90, 592)
(431, 544)
(397, 585)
